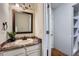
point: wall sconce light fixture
(5, 26)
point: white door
(51, 29)
(49, 25)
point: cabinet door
(34, 50)
(34, 47)
(34, 53)
(16, 52)
(20, 54)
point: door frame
(46, 43)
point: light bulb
(17, 5)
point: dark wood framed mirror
(22, 22)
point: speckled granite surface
(19, 44)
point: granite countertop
(19, 43)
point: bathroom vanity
(23, 25)
(32, 47)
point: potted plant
(12, 36)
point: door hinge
(47, 32)
(48, 6)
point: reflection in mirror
(22, 22)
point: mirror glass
(23, 22)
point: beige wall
(4, 16)
(37, 21)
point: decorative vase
(11, 40)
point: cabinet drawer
(35, 54)
(35, 51)
(14, 52)
(20, 54)
(34, 47)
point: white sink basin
(23, 42)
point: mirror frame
(13, 18)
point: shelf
(75, 21)
(75, 39)
(76, 17)
(75, 31)
(76, 28)
(75, 35)
(75, 47)
(74, 50)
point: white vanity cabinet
(34, 50)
